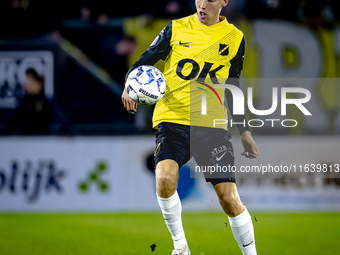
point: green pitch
(134, 233)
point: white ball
(146, 85)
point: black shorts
(208, 146)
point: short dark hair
(31, 71)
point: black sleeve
(234, 79)
(159, 49)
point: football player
(198, 47)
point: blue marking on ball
(140, 71)
(151, 77)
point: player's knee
(228, 199)
(166, 178)
(229, 202)
(166, 185)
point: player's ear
(225, 2)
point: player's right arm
(159, 49)
(128, 103)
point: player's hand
(128, 103)
(250, 148)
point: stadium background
(92, 171)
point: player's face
(208, 11)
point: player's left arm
(250, 148)
(159, 49)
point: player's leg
(172, 151)
(229, 198)
(239, 217)
(169, 201)
(166, 178)
(212, 147)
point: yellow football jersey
(196, 57)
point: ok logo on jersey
(195, 71)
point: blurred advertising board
(111, 174)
